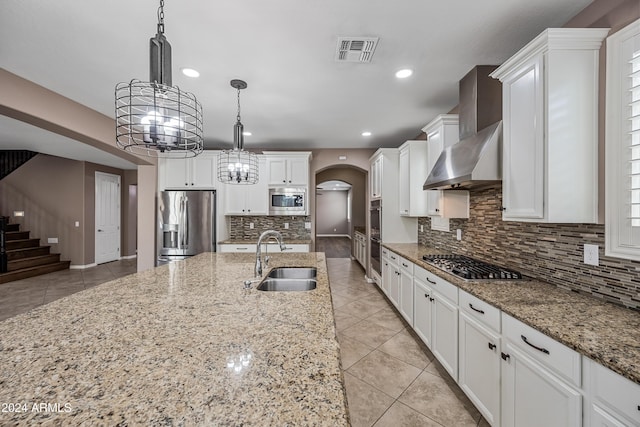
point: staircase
(26, 258)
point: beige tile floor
(23, 295)
(391, 378)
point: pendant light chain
(238, 116)
(161, 17)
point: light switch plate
(458, 234)
(286, 225)
(591, 255)
(307, 225)
(251, 225)
(52, 240)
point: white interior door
(107, 206)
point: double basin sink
(289, 279)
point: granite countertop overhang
(180, 344)
(602, 331)
(255, 241)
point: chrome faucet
(266, 235)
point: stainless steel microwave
(287, 201)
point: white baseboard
(129, 256)
(82, 267)
(369, 279)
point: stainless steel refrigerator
(186, 224)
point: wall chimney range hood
(476, 160)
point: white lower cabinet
(360, 248)
(540, 379)
(405, 305)
(479, 368)
(393, 279)
(422, 309)
(385, 271)
(611, 399)
(266, 248)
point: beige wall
(331, 213)
(50, 191)
(55, 193)
(358, 180)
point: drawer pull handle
(426, 295)
(492, 346)
(475, 309)
(431, 281)
(404, 265)
(504, 356)
(242, 249)
(544, 350)
(431, 299)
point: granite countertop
(181, 344)
(255, 241)
(604, 332)
(359, 229)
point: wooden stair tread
(24, 273)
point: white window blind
(622, 144)
(634, 135)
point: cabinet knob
(192, 183)
(502, 208)
(437, 210)
(186, 183)
(284, 180)
(492, 346)
(505, 356)
(289, 181)
(431, 299)
(426, 295)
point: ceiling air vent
(356, 49)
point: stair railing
(4, 223)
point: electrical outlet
(422, 228)
(286, 225)
(251, 226)
(458, 234)
(77, 224)
(52, 240)
(591, 255)
(307, 225)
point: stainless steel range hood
(476, 160)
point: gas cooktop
(471, 269)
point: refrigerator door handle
(186, 222)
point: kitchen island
(181, 344)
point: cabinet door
(422, 310)
(523, 149)
(257, 195)
(445, 334)
(601, 418)
(298, 172)
(434, 149)
(204, 171)
(406, 296)
(386, 276)
(532, 396)
(236, 200)
(404, 182)
(177, 173)
(376, 178)
(394, 279)
(277, 171)
(479, 369)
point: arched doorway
(340, 209)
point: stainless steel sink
(280, 284)
(293, 273)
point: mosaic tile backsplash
(239, 227)
(549, 252)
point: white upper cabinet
(288, 169)
(442, 132)
(413, 171)
(198, 172)
(375, 173)
(550, 113)
(248, 199)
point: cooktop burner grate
(471, 269)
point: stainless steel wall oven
(375, 217)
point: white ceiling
(298, 97)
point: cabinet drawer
(443, 287)
(385, 253)
(480, 310)
(406, 266)
(556, 356)
(394, 258)
(238, 248)
(614, 390)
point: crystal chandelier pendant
(237, 166)
(154, 118)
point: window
(622, 144)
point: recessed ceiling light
(366, 133)
(190, 72)
(403, 74)
(246, 133)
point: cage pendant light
(238, 166)
(155, 118)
